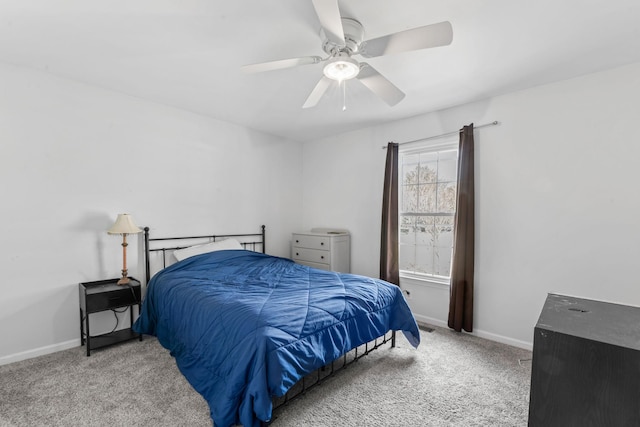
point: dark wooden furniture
(586, 364)
(104, 295)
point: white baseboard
(479, 333)
(504, 340)
(29, 354)
(424, 320)
(4, 360)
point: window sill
(419, 279)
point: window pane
(443, 246)
(407, 243)
(442, 261)
(424, 259)
(409, 172)
(407, 257)
(409, 198)
(428, 167)
(428, 172)
(427, 197)
(444, 231)
(446, 197)
(407, 230)
(424, 230)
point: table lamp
(124, 225)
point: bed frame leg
(393, 339)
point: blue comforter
(244, 326)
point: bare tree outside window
(427, 210)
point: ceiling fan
(342, 38)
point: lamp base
(123, 281)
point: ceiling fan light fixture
(341, 68)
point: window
(428, 180)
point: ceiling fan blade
(330, 19)
(379, 85)
(317, 92)
(434, 35)
(280, 64)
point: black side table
(104, 295)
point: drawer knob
(321, 243)
(297, 241)
(322, 257)
(297, 254)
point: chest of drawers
(322, 248)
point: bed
(245, 327)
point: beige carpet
(450, 380)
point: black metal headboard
(250, 241)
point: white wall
(74, 156)
(557, 199)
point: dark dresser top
(615, 324)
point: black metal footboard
(318, 376)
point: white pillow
(181, 254)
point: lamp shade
(124, 225)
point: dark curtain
(389, 264)
(461, 302)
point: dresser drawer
(311, 255)
(311, 242)
(326, 267)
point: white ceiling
(188, 53)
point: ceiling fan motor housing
(353, 37)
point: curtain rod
(493, 123)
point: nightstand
(104, 295)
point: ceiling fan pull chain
(344, 94)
